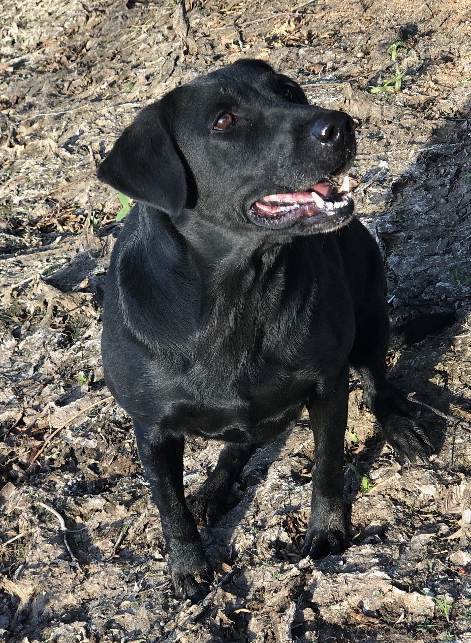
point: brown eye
(288, 94)
(224, 122)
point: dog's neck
(163, 274)
(208, 254)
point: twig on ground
(12, 540)
(265, 18)
(449, 418)
(49, 438)
(58, 113)
(121, 536)
(66, 185)
(63, 529)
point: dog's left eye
(224, 122)
(287, 93)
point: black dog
(237, 295)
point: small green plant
(388, 618)
(425, 627)
(128, 87)
(353, 437)
(444, 606)
(125, 206)
(143, 27)
(460, 276)
(76, 327)
(390, 84)
(392, 50)
(20, 551)
(124, 530)
(365, 483)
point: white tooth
(345, 187)
(318, 200)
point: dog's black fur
(224, 323)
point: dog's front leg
(327, 530)
(163, 463)
(208, 503)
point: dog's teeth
(318, 200)
(345, 187)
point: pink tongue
(323, 189)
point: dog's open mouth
(328, 204)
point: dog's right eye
(224, 122)
(288, 94)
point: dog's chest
(251, 378)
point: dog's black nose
(332, 126)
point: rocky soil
(82, 556)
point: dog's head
(240, 147)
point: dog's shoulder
(149, 284)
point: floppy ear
(145, 166)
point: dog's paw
(326, 532)
(408, 438)
(398, 418)
(191, 571)
(187, 586)
(320, 543)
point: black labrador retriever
(240, 291)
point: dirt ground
(82, 556)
